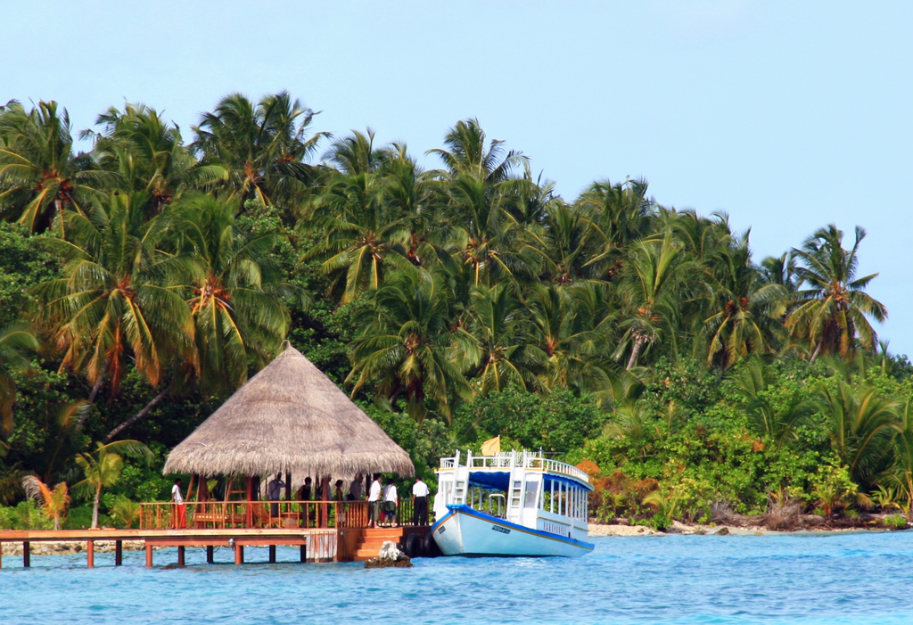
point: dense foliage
(144, 281)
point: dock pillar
(90, 553)
(118, 552)
(239, 554)
(210, 554)
(272, 554)
(26, 554)
(1, 555)
(148, 554)
(180, 556)
(304, 553)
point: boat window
(530, 500)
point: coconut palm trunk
(639, 341)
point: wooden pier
(316, 544)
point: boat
(518, 504)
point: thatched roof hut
(289, 417)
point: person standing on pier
(391, 502)
(374, 501)
(273, 493)
(420, 494)
(180, 516)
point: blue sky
(786, 115)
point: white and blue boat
(511, 504)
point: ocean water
(845, 578)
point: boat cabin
(524, 488)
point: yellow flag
(492, 446)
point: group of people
(383, 500)
(383, 503)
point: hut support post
(250, 497)
(181, 556)
(303, 552)
(324, 496)
(148, 555)
(90, 553)
(272, 554)
(26, 554)
(239, 554)
(118, 552)
(1, 555)
(210, 554)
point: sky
(788, 116)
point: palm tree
(481, 229)
(235, 291)
(570, 245)
(361, 232)
(102, 468)
(739, 304)
(862, 427)
(54, 502)
(467, 153)
(620, 212)
(573, 328)
(500, 354)
(150, 154)
(778, 418)
(406, 347)
(40, 176)
(831, 312)
(651, 274)
(112, 304)
(14, 340)
(263, 147)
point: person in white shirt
(391, 502)
(420, 494)
(180, 511)
(374, 502)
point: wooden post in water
(272, 554)
(209, 554)
(90, 553)
(1, 555)
(181, 556)
(148, 554)
(26, 554)
(118, 552)
(239, 554)
(304, 553)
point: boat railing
(508, 460)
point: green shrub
(24, 516)
(895, 521)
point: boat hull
(467, 532)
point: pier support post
(148, 555)
(26, 554)
(180, 556)
(304, 553)
(210, 554)
(272, 554)
(1, 555)
(239, 554)
(90, 553)
(118, 552)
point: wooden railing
(264, 514)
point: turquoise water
(848, 578)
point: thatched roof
(289, 417)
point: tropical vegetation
(146, 278)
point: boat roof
(493, 472)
